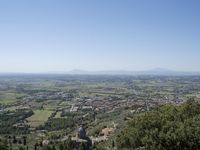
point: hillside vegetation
(165, 128)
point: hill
(165, 128)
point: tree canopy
(164, 128)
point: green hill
(165, 128)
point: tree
(36, 146)
(53, 148)
(20, 141)
(46, 147)
(24, 140)
(21, 148)
(14, 139)
(3, 146)
(61, 147)
(113, 144)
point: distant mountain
(156, 71)
(161, 71)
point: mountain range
(156, 71)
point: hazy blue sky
(60, 35)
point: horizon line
(106, 72)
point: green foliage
(59, 123)
(3, 146)
(165, 128)
(8, 119)
(98, 146)
(21, 148)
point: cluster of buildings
(49, 95)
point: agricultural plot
(7, 102)
(58, 114)
(39, 117)
(13, 108)
(7, 98)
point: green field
(9, 97)
(39, 117)
(58, 114)
(7, 102)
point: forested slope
(164, 128)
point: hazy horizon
(60, 36)
(154, 71)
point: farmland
(50, 108)
(39, 117)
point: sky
(62, 35)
